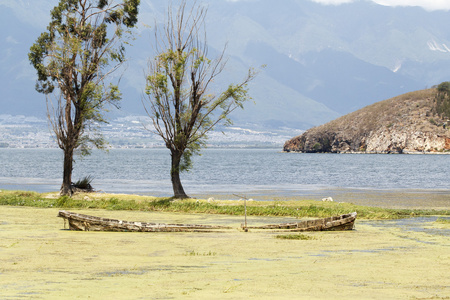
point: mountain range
(322, 61)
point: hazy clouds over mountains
(322, 60)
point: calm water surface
(227, 171)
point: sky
(426, 4)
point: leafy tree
(179, 102)
(443, 99)
(83, 44)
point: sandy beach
(39, 259)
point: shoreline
(386, 198)
(227, 205)
(383, 198)
(447, 152)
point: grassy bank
(298, 209)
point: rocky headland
(410, 123)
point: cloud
(426, 4)
(332, 2)
(429, 5)
(11, 40)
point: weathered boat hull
(91, 223)
(342, 222)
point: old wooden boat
(342, 222)
(91, 223)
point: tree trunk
(178, 190)
(66, 187)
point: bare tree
(76, 54)
(178, 100)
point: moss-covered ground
(40, 259)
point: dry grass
(410, 108)
(412, 113)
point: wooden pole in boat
(245, 215)
(245, 212)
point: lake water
(253, 172)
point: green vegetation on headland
(297, 209)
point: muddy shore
(39, 259)
(397, 199)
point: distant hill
(323, 61)
(405, 124)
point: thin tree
(178, 100)
(83, 44)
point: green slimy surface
(39, 259)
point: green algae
(40, 259)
